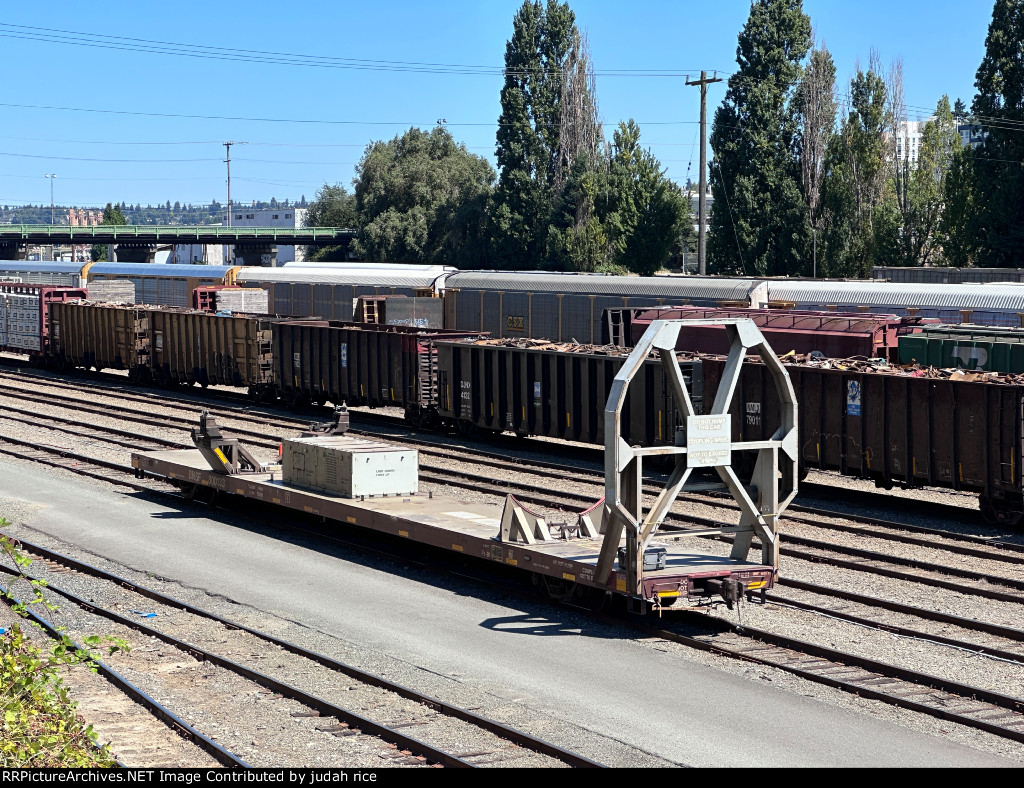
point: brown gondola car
(531, 387)
(359, 364)
(167, 345)
(189, 347)
(99, 336)
(900, 428)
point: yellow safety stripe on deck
(220, 456)
(351, 519)
(457, 547)
(567, 576)
(403, 533)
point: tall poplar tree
(999, 108)
(816, 105)
(759, 224)
(529, 155)
(855, 188)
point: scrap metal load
(534, 387)
(831, 334)
(345, 482)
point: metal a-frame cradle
(704, 442)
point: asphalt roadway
(686, 712)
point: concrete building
(908, 143)
(288, 217)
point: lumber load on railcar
(25, 315)
(900, 427)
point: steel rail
(887, 697)
(463, 481)
(947, 511)
(156, 708)
(924, 693)
(485, 723)
(569, 472)
(974, 648)
(896, 607)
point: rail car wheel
(999, 511)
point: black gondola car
(359, 364)
(557, 391)
(898, 428)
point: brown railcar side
(897, 428)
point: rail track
(228, 402)
(483, 741)
(918, 691)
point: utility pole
(702, 213)
(227, 147)
(50, 177)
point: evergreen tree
(646, 215)
(759, 223)
(528, 140)
(112, 216)
(999, 108)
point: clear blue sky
(118, 121)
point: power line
(205, 52)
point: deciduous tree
(332, 206)
(421, 197)
(759, 223)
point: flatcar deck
(472, 529)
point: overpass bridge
(138, 242)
